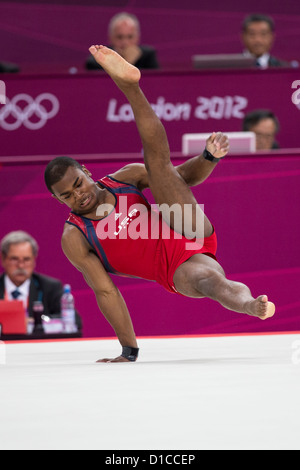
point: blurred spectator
(19, 281)
(124, 37)
(265, 125)
(258, 37)
(7, 67)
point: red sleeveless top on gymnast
(134, 241)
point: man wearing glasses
(19, 281)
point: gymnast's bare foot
(261, 308)
(119, 69)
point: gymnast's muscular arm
(109, 298)
(194, 171)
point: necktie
(16, 293)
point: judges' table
(87, 114)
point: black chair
(7, 67)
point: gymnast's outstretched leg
(165, 183)
(201, 276)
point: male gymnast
(96, 237)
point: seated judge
(124, 34)
(19, 281)
(265, 126)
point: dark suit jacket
(48, 290)
(148, 60)
(43, 288)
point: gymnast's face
(77, 190)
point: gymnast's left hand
(117, 359)
(218, 144)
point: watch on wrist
(209, 156)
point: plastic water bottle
(68, 310)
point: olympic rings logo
(32, 113)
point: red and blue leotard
(133, 240)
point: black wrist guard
(208, 156)
(130, 353)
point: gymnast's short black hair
(56, 170)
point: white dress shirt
(262, 61)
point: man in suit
(265, 125)
(124, 37)
(258, 37)
(19, 281)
